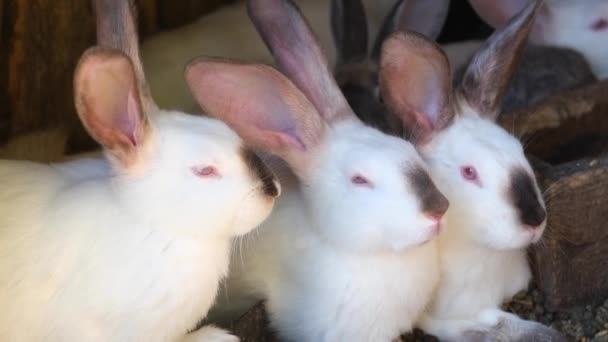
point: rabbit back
(72, 273)
(544, 71)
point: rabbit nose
(435, 216)
(432, 202)
(528, 227)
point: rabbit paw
(537, 332)
(210, 333)
(504, 326)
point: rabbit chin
(424, 231)
(426, 235)
(391, 239)
(507, 236)
(251, 215)
(497, 234)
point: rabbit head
(580, 25)
(171, 168)
(356, 181)
(481, 168)
(356, 70)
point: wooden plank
(5, 117)
(570, 125)
(570, 261)
(568, 141)
(176, 13)
(45, 40)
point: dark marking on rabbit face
(525, 199)
(262, 172)
(432, 201)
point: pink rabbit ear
(415, 81)
(116, 26)
(109, 105)
(260, 104)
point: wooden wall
(40, 43)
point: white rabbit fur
(82, 246)
(132, 247)
(347, 254)
(329, 273)
(561, 23)
(226, 32)
(571, 24)
(483, 250)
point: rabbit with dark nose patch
(349, 252)
(496, 209)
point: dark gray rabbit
(356, 69)
(544, 71)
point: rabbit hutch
(565, 135)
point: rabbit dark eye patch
(261, 171)
(525, 198)
(432, 201)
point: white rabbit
(496, 209)
(226, 32)
(579, 25)
(347, 254)
(132, 247)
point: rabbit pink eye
(360, 180)
(205, 171)
(600, 25)
(469, 173)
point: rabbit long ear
(349, 29)
(512, 328)
(415, 81)
(117, 29)
(109, 104)
(260, 104)
(299, 56)
(426, 17)
(492, 68)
